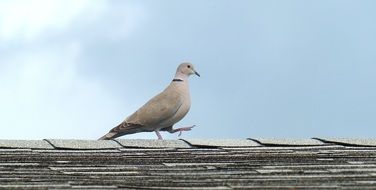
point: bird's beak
(196, 73)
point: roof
(318, 163)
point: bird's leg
(159, 135)
(180, 130)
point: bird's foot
(184, 129)
(159, 135)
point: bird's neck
(180, 83)
(180, 77)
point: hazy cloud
(43, 94)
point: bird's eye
(189, 66)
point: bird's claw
(185, 129)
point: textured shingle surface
(35, 144)
(287, 142)
(349, 141)
(221, 142)
(83, 144)
(186, 164)
(142, 143)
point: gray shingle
(32, 144)
(221, 143)
(286, 187)
(38, 186)
(353, 170)
(270, 171)
(94, 187)
(143, 143)
(288, 142)
(100, 172)
(83, 144)
(191, 188)
(209, 165)
(196, 164)
(349, 141)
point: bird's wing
(146, 119)
(160, 108)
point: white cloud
(42, 92)
(25, 19)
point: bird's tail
(108, 136)
(124, 129)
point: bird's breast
(183, 109)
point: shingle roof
(254, 163)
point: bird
(162, 111)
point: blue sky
(269, 68)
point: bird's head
(187, 69)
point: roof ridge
(80, 144)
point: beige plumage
(162, 111)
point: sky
(269, 68)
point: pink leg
(159, 135)
(180, 130)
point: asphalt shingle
(349, 141)
(187, 164)
(142, 143)
(287, 142)
(35, 144)
(83, 144)
(221, 143)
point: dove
(162, 111)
